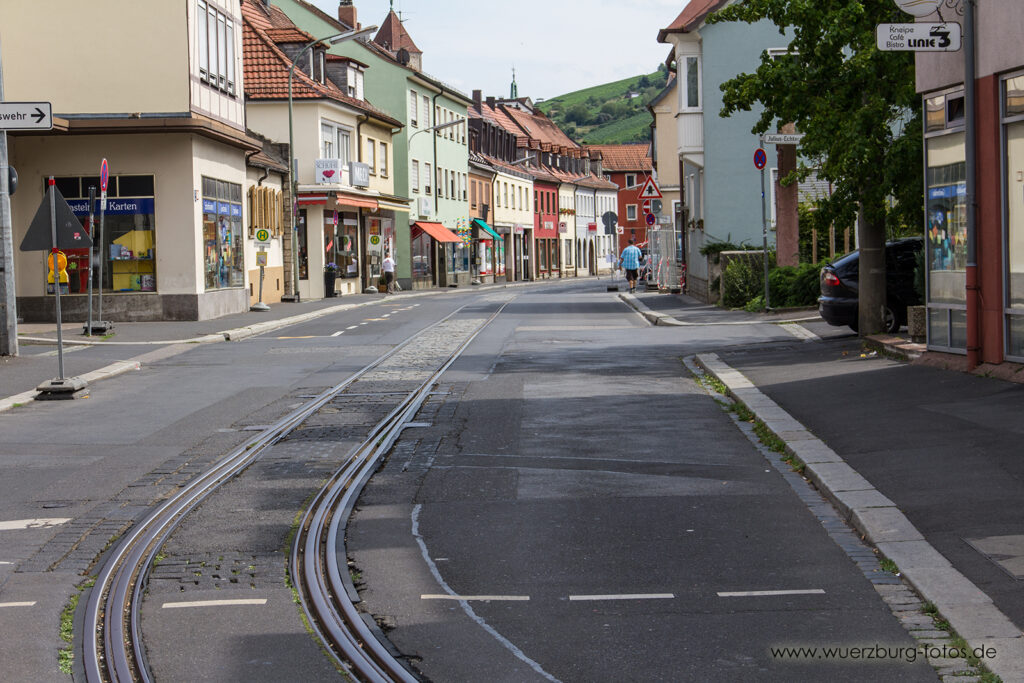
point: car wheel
(890, 321)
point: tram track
(114, 649)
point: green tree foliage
(858, 111)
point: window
(384, 159)
(335, 142)
(222, 234)
(216, 44)
(505, 195)
(472, 193)
(371, 149)
(426, 178)
(630, 180)
(413, 100)
(426, 112)
(630, 212)
(454, 194)
(414, 175)
(692, 91)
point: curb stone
(969, 611)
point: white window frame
(630, 212)
(383, 162)
(340, 140)
(426, 111)
(414, 175)
(684, 84)
(630, 180)
(428, 178)
(414, 100)
(371, 155)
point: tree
(858, 111)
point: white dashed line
(757, 594)
(624, 596)
(351, 327)
(33, 523)
(6, 563)
(469, 598)
(215, 603)
(338, 333)
(17, 604)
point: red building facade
(629, 166)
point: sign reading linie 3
(26, 115)
(918, 37)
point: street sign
(609, 218)
(25, 115)
(919, 8)
(760, 159)
(70, 233)
(650, 219)
(781, 138)
(650, 189)
(619, 230)
(261, 258)
(647, 206)
(104, 175)
(592, 228)
(918, 37)
(656, 207)
(262, 235)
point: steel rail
(113, 649)
(325, 597)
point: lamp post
(333, 39)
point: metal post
(9, 334)
(103, 251)
(970, 177)
(56, 278)
(92, 254)
(293, 182)
(764, 234)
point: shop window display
(129, 233)
(222, 234)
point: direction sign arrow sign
(25, 115)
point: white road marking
(387, 315)
(624, 596)
(338, 333)
(41, 523)
(362, 323)
(496, 598)
(215, 603)
(6, 563)
(756, 594)
(351, 327)
(800, 332)
(17, 604)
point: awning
(357, 202)
(488, 229)
(393, 206)
(308, 199)
(437, 231)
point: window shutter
(251, 208)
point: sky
(555, 46)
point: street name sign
(918, 37)
(26, 116)
(782, 138)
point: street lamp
(333, 39)
(439, 126)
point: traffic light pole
(9, 331)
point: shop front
(440, 258)
(489, 259)
(522, 247)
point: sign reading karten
(918, 37)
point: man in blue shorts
(630, 261)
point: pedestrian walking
(630, 261)
(388, 266)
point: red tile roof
(266, 66)
(635, 157)
(691, 16)
(393, 36)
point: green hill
(613, 113)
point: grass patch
(889, 566)
(66, 655)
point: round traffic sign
(760, 158)
(647, 206)
(104, 175)
(262, 235)
(650, 219)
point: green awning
(488, 229)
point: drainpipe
(970, 128)
(436, 184)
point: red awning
(307, 199)
(437, 231)
(358, 202)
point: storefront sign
(592, 228)
(518, 229)
(549, 225)
(563, 227)
(918, 37)
(127, 207)
(327, 171)
(359, 174)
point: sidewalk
(99, 357)
(922, 458)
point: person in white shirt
(388, 267)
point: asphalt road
(568, 469)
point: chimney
(490, 102)
(478, 101)
(347, 13)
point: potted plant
(330, 275)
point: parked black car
(838, 301)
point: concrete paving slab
(835, 477)
(812, 451)
(978, 624)
(946, 586)
(909, 555)
(884, 524)
(849, 501)
(1008, 659)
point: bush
(742, 280)
(794, 286)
